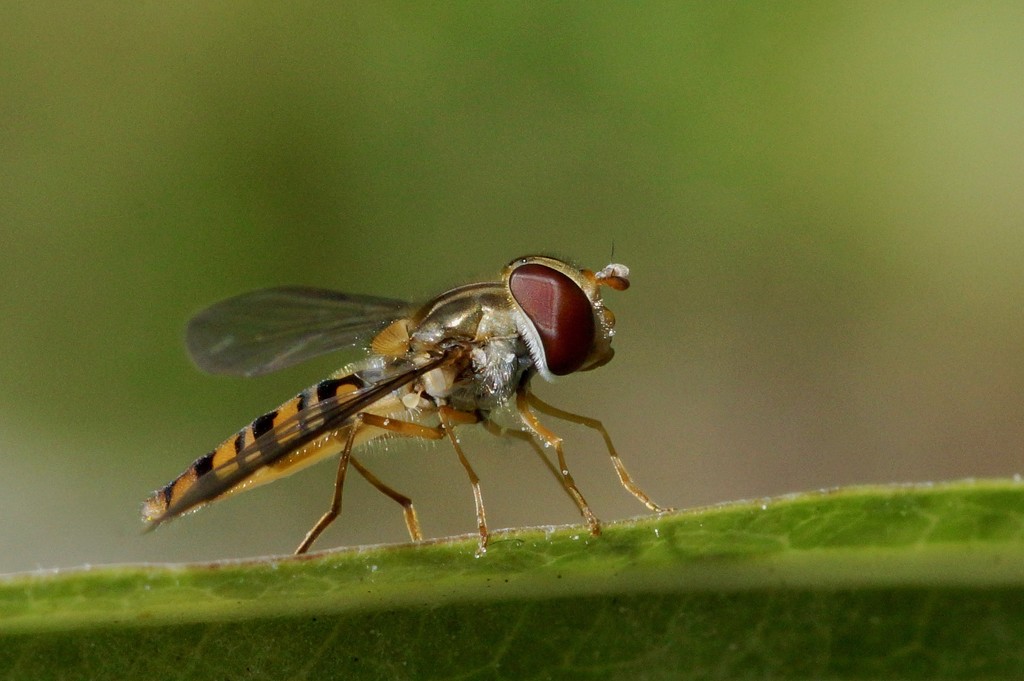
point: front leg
(550, 439)
(620, 468)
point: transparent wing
(263, 331)
(291, 434)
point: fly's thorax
(560, 313)
(481, 318)
(498, 368)
(467, 313)
(485, 377)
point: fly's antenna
(614, 276)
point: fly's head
(560, 314)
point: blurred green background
(821, 204)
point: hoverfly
(454, 361)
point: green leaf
(879, 582)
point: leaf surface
(891, 582)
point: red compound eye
(560, 311)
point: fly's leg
(359, 421)
(550, 439)
(339, 483)
(620, 468)
(411, 521)
(449, 418)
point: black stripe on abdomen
(203, 464)
(263, 424)
(329, 388)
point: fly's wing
(285, 437)
(263, 331)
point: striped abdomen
(297, 434)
